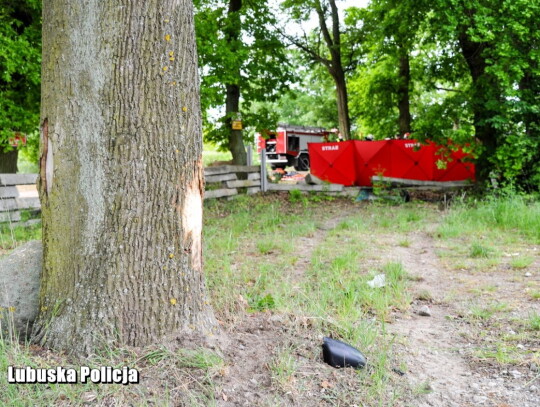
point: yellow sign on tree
(237, 124)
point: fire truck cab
(288, 145)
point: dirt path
(437, 346)
(437, 351)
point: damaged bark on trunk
(121, 180)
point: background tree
(310, 102)
(242, 61)
(121, 178)
(20, 63)
(390, 33)
(498, 43)
(328, 45)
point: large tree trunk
(121, 179)
(404, 120)
(232, 104)
(8, 162)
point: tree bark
(334, 65)
(404, 120)
(121, 178)
(484, 85)
(8, 162)
(343, 105)
(232, 103)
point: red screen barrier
(355, 162)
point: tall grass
(509, 213)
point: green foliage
(20, 66)
(256, 62)
(262, 303)
(312, 102)
(498, 42)
(506, 213)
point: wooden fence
(225, 181)
(18, 191)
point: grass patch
(521, 262)
(15, 234)
(487, 311)
(478, 250)
(510, 214)
(534, 321)
(283, 368)
(212, 154)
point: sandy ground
(438, 350)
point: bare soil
(439, 351)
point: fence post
(264, 186)
(249, 151)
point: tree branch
(448, 90)
(304, 47)
(335, 23)
(323, 26)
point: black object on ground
(340, 354)
(398, 371)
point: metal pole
(264, 187)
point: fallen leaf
(326, 384)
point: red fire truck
(288, 145)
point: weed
(423, 388)
(534, 321)
(486, 312)
(404, 243)
(262, 303)
(521, 262)
(478, 250)
(266, 246)
(424, 295)
(297, 196)
(503, 354)
(283, 368)
(12, 235)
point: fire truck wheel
(276, 166)
(302, 163)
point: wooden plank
(219, 178)
(10, 216)
(19, 191)
(225, 169)
(28, 203)
(17, 179)
(8, 192)
(243, 183)
(414, 182)
(27, 191)
(10, 204)
(254, 176)
(220, 193)
(7, 204)
(253, 190)
(304, 187)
